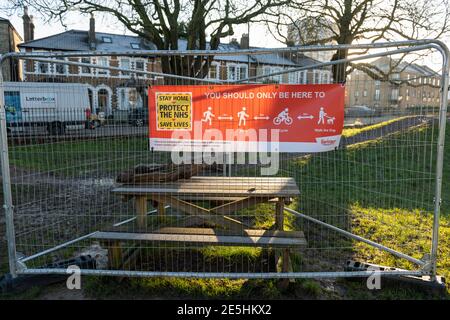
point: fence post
(440, 156)
(6, 179)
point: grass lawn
(81, 158)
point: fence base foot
(437, 286)
(21, 283)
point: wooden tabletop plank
(246, 232)
(209, 192)
(211, 186)
(196, 239)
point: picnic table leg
(279, 214)
(114, 253)
(161, 211)
(141, 211)
(282, 256)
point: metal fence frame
(427, 266)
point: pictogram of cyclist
(283, 116)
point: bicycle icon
(283, 117)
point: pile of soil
(149, 173)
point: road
(81, 132)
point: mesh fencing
(73, 155)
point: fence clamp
(440, 201)
(20, 265)
(426, 268)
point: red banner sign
(246, 118)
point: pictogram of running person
(208, 115)
(322, 115)
(242, 115)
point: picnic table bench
(227, 196)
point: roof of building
(274, 59)
(386, 63)
(241, 58)
(11, 25)
(77, 40)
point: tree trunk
(340, 70)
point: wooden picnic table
(227, 195)
(237, 193)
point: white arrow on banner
(261, 118)
(305, 117)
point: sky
(259, 36)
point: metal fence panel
(372, 199)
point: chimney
(27, 23)
(91, 36)
(245, 41)
(31, 28)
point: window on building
(365, 93)
(243, 72)
(125, 63)
(213, 72)
(293, 77)
(102, 61)
(84, 69)
(232, 72)
(394, 94)
(297, 77)
(377, 94)
(269, 70)
(59, 68)
(237, 72)
(43, 67)
(317, 78)
(356, 93)
(395, 76)
(140, 66)
(377, 83)
(303, 77)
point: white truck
(53, 105)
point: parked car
(359, 111)
(138, 117)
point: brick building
(9, 41)
(115, 92)
(409, 85)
